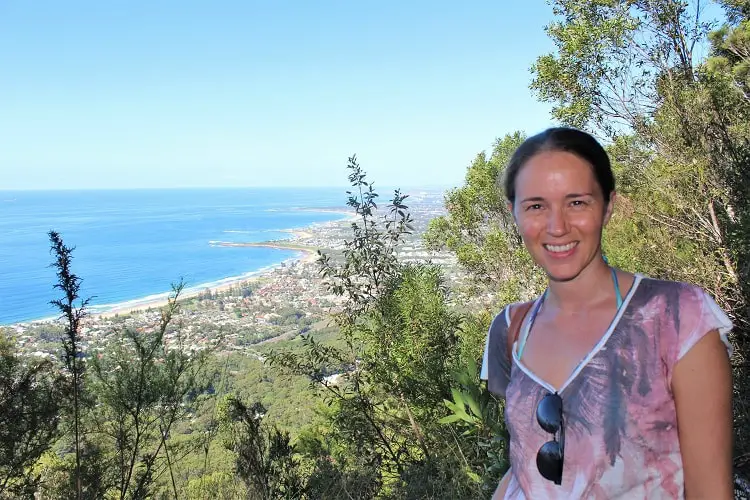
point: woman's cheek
(525, 231)
(529, 227)
(588, 223)
(531, 236)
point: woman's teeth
(561, 248)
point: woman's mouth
(559, 251)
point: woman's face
(560, 212)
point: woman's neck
(593, 284)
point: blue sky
(125, 94)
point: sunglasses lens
(549, 413)
(549, 461)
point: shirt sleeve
(495, 362)
(710, 318)
(699, 315)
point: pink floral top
(620, 420)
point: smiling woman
(561, 210)
(616, 385)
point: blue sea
(132, 244)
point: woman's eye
(577, 203)
(535, 206)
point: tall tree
(615, 58)
(369, 264)
(402, 341)
(73, 310)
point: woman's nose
(557, 223)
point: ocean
(133, 244)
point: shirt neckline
(586, 359)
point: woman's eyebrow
(540, 198)
(532, 198)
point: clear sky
(137, 93)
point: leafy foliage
(481, 416)
(142, 388)
(70, 284)
(369, 257)
(479, 229)
(265, 458)
(614, 58)
(30, 400)
(386, 386)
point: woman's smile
(561, 251)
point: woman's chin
(561, 277)
(567, 271)
(562, 272)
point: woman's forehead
(555, 172)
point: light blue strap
(527, 329)
(617, 288)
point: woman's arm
(502, 487)
(702, 388)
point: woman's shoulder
(684, 302)
(501, 320)
(508, 312)
(669, 290)
(684, 311)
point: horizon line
(155, 188)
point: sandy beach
(297, 242)
(309, 256)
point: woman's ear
(512, 212)
(610, 207)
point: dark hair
(565, 139)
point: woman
(619, 385)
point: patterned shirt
(621, 436)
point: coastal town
(280, 303)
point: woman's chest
(554, 350)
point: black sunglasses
(549, 459)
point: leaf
(473, 405)
(449, 419)
(457, 396)
(474, 476)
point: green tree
(386, 385)
(30, 399)
(615, 58)
(731, 46)
(368, 267)
(142, 385)
(479, 229)
(265, 458)
(73, 310)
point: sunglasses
(549, 459)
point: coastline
(161, 300)
(306, 255)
